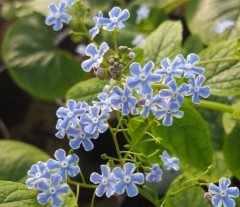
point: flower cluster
(57, 15)
(222, 195)
(49, 177)
(117, 181)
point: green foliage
(192, 44)
(189, 139)
(14, 194)
(203, 15)
(165, 41)
(16, 158)
(35, 63)
(232, 152)
(86, 90)
(223, 77)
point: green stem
(122, 127)
(85, 185)
(114, 38)
(84, 28)
(213, 105)
(93, 199)
(82, 177)
(77, 194)
(226, 59)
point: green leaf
(86, 90)
(230, 120)
(232, 152)
(192, 44)
(35, 63)
(16, 194)
(203, 15)
(189, 139)
(16, 158)
(222, 77)
(164, 42)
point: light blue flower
(70, 2)
(222, 26)
(37, 172)
(222, 195)
(174, 92)
(94, 120)
(148, 103)
(170, 70)
(142, 13)
(139, 40)
(95, 30)
(105, 102)
(142, 78)
(106, 181)
(61, 132)
(197, 90)
(168, 111)
(70, 115)
(80, 49)
(80, 137)
(188, 66)
(169, 162)
(155, 174)
(123, 99)
(57, 15)
(117, 16)
(96, 56)
(52, 191)
(64, 164)
(127, 179)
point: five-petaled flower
(96, 56)
(106, 181)
(64, 164)
(117, 16)
(142, 78)
(127, 179)
(155, 174)
(52, 191)
(57, 15)
(222, 195)
(169, 162)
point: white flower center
(127, 179)
(64, 164)
(82, 135)
(169, 70)
(52, 190)
(143, 77)
(197, 89)
(69, 114)
(95, 120)
(147, 103)
(104, 181)
(114, 19)
(188, 66)
(154, 173)
(223, 193)
(38, 175)
(124, 99)
(57, 15)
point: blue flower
(222, 195)
(94, 120)
(70, 115)
(57, 15)
(61, 132)
(188, 66)
(155, 174)
(148, 103)
(126, 179)
(197, 90)
(80, 49)
(79, 136)
(38, 172)
(170, 70)
(168, 111)
(142, 78)
(222, 26)
(123, 98)
(105, 102)
(52, 191)
(64, 164)
(96, 56)
(139, 40)
(70, 2)
(169, 162)
(106, 181)
(117, 16)
(142, 13)
(174, 93)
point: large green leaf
(35, 63)
(222, 77)
(14, 194)
(164, 42)
(203, 15)
(86, 90)
(16, 158)
(232, 152)
(189, 139)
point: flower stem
(93, 199)
(85, 185)
(114, 37)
